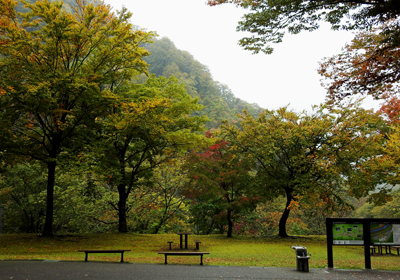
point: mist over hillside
(219, 101)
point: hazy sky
(288, 76)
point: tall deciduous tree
(269, 20)
(220, 173)
(313, 154)
(58, 72)
(150, 126)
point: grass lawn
(236, 251)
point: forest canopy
(105, 128)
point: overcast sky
(288, 76)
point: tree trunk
(230, 223)
(159, 225)
(210, 229)
(48, 224)
(286, 212)
(122, 223)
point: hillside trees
(269, 20)
(219, 102)
(220, 174)
(59, 76)
(148, 127)
(323, 153)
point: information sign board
(348, 234)
(385, 233)
(361, 232)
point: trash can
(302, 257)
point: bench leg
(122, 256)
(86, 255)
(165, 259)
(201, 259)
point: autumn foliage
(390, 108)
(237, 2)
(369, 65)
(220, 173)
(320, 154)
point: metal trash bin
(302, 257)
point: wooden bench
(197, 244)
(104, 251)
(170, 244)
(184, 254)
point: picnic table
(181, 234)
(380, 249)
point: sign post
(367, 245)
(329, 237)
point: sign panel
(348, 233)
(385, 233)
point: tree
(390, 160)
(220, 173)
(168, 181)
(268, 20)
(306, 155)
(59, 76)
(146, 128)
(391, 109)
(23, 196)
(369, 65)
(389, 210)
(22, 193)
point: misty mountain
(218, 100)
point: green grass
(236, 251)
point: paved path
(64, 270)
